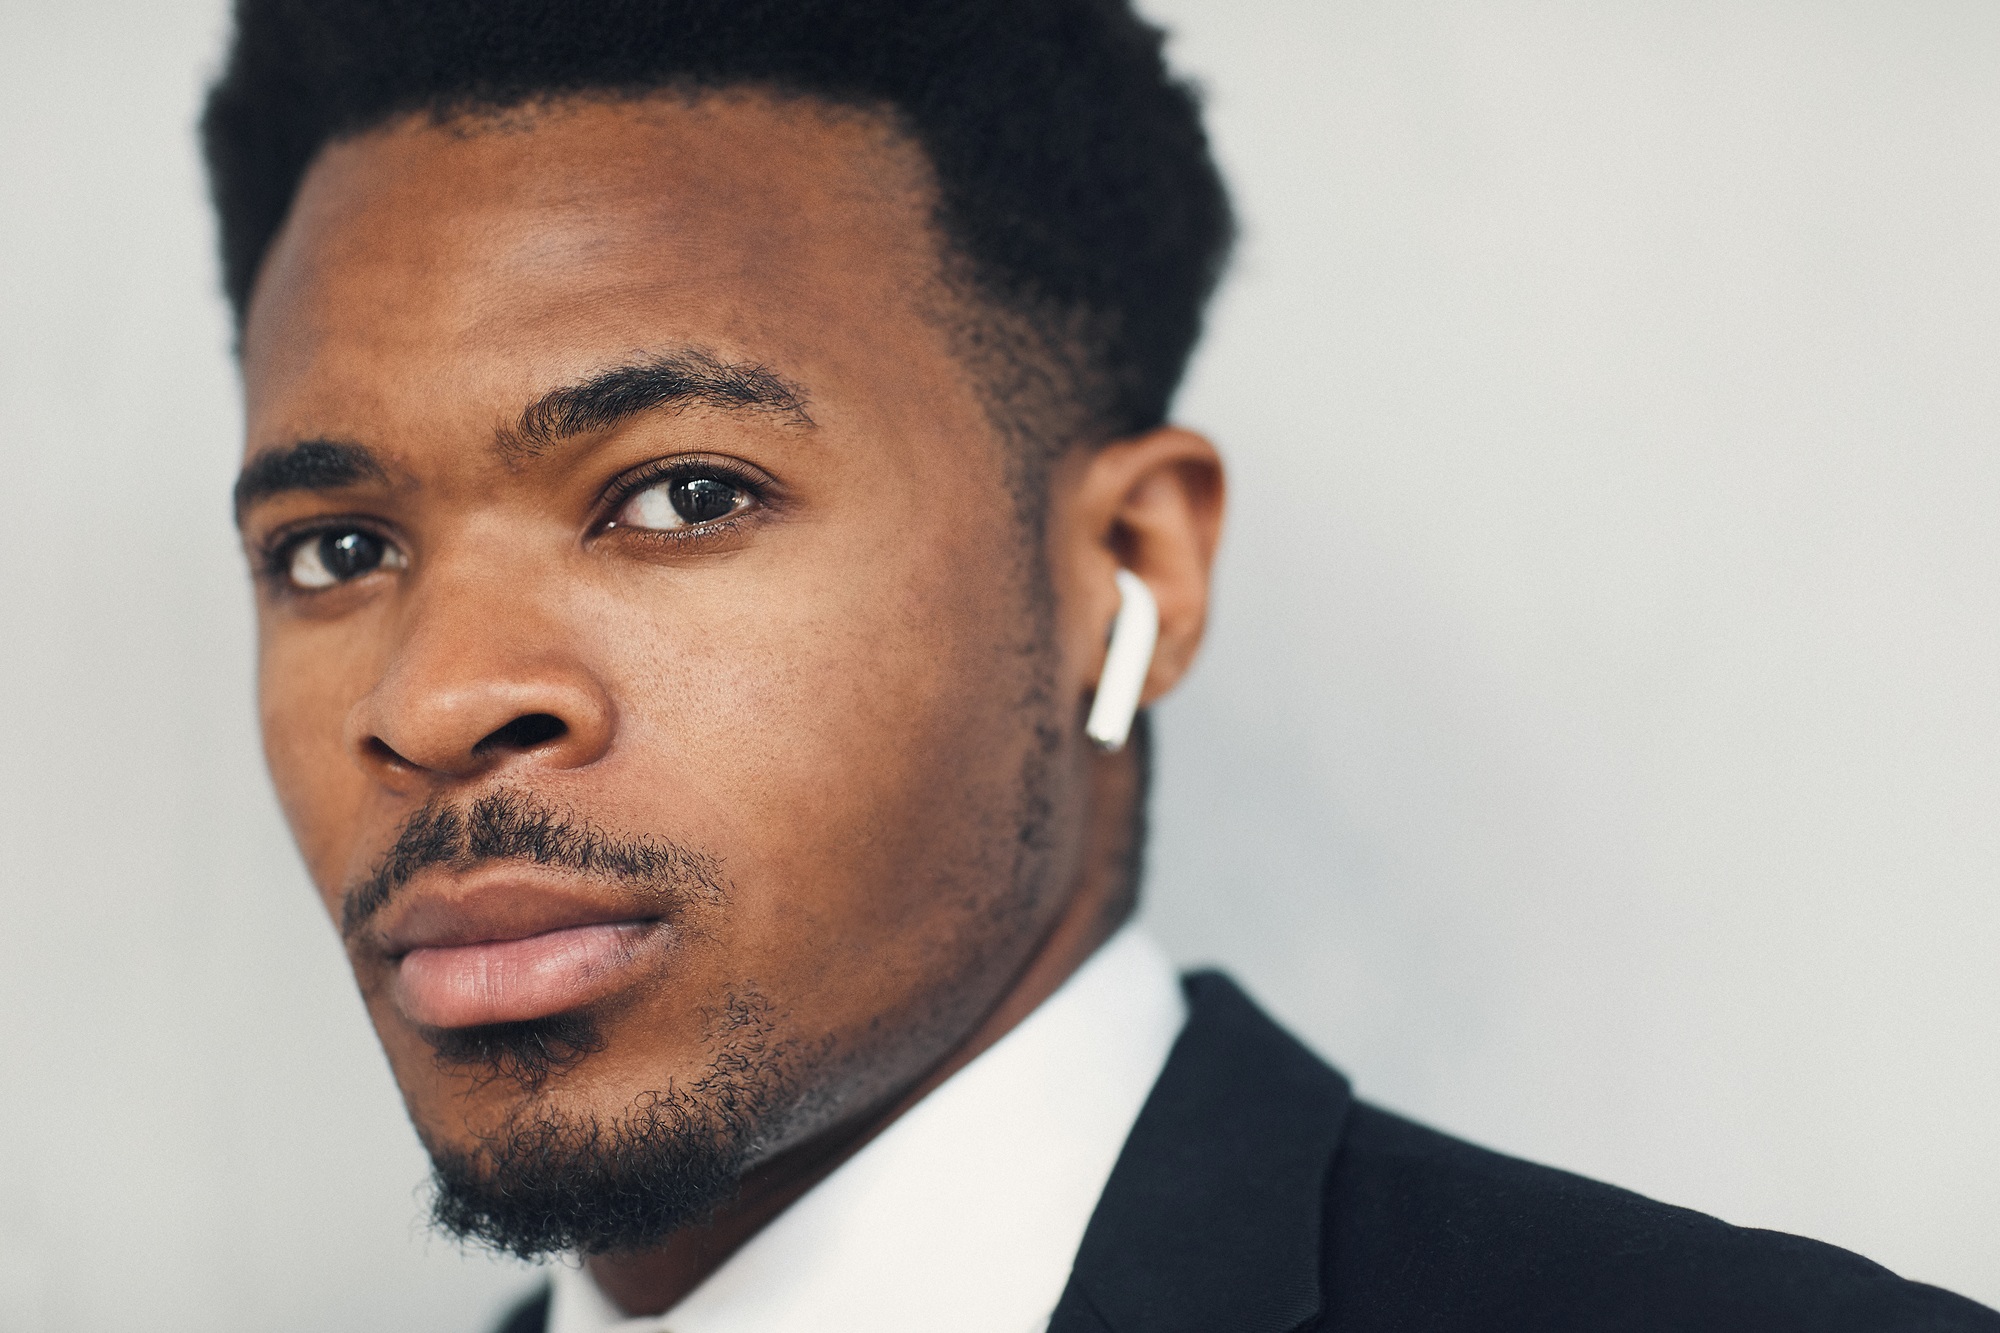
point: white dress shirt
(966, 1212)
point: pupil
(348, 555)
(702, 499)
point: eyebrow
(684, 378)
(308, 465)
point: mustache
(509, 825)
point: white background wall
(1597, 752)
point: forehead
(478, 259)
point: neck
(1101, 898)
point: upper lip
(441, 910)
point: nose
(477, 685)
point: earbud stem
(1127, 660)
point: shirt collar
(967, 1211)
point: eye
(339, 555)
(683, 501)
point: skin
(832, 692)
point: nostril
(523, 733)
(379, 750)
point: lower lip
(511, 981)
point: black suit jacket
(1255, 1195)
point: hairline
(1014, 352)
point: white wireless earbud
(1126, 662)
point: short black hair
(1076, 187)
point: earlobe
(1127, 660)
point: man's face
(655, 670)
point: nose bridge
(482, 670)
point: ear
(1151, 504)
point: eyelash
(663, 470)
(278, 550)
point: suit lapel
(1211, 1219)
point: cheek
(301, 711)
(851, 734)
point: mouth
(482, 954)
(511, 981)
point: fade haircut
(1077, 201)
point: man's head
(689, 445)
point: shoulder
(1424, 1231)
(1255, 1193)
